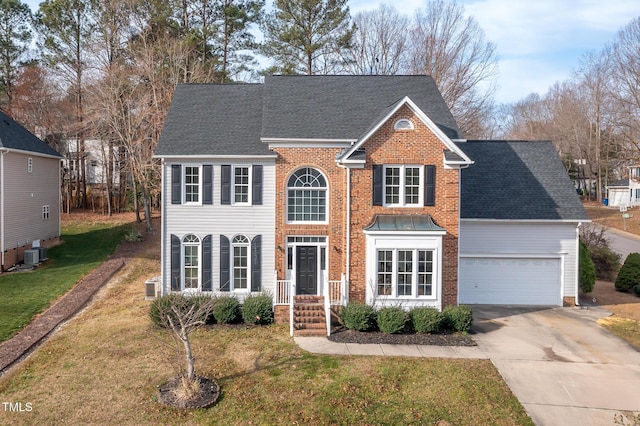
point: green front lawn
(26, 294)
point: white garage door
(508, 281)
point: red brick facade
(386, 146)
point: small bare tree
(182, 315)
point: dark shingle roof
(214, 119)
(345, 107)
(14, 136)
(518, 180)
(621, 183)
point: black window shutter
(176, 184)
(429, 185)
(377, 184)
(206, 263)
(225, 263)
(256, 263)
(207, 184)
(225, 178)
(256, 190)
(176, 273)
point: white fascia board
(423, 117)
(308, 143)
(215, 157)
(32, 153)
(527, 220)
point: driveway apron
(561, 365)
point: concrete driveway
(563, 367)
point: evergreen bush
(587, 270)
(358, 316)
(258, 309)
(426, 320)
(392, 320)
(226, 310)
(636, 290)
(458, 318)
(629, 274)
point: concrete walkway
(560, 364)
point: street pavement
(622, 242)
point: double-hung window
(405, 272)
(241, 184)
(403, 185)
(192, 184)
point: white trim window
(405, 272)
(307, 196)
(30, 165)
(242, 185)
(192, 184)
(403, 124)
(46, 211)
(191, 262)
(403, 185)
(240, 263)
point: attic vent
(403, 124)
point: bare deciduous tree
(379, 44)
(452, 49)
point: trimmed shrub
(358, 316)
(636, 290)
(629, 274)
(258, 309)
(226, 310)
(426, 320)
(392, 320)
(164, 303)
(587, 270)
(458, 318)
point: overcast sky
(539, 42)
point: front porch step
(308, 316)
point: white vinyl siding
(218, 219)
(518, 252)
(25, 194)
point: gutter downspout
(3, 151)
(348, 227)
(577, 282)
(163, 227)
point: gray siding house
(29, 192)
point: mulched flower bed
(377, 337)
(209, 394)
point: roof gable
(517, 180)
(14, 136)
(460, 156)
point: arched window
(403, 124)
(307, 196)
(240, 253)
(191, 250)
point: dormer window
(403, 124)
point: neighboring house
(625, 192)
(29, 192)
(350, 187)
(96, 155)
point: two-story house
(625, 192)
(352, 188)
(29, 192)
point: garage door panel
(510, 281)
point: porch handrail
(327, 306)
(292, 292)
